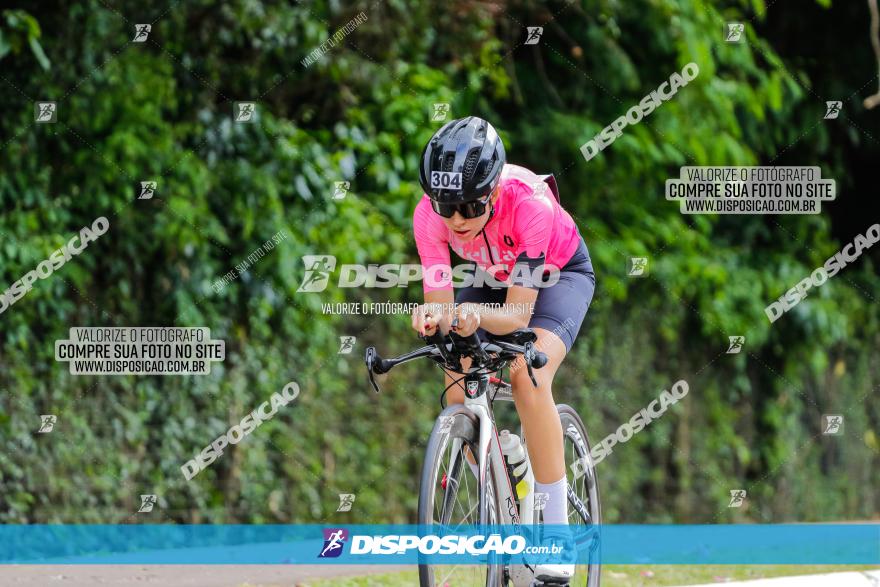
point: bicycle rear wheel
(584, 512)
(450, 495)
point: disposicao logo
(334, 540)
(319, 269)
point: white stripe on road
(860, 579)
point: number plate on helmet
(445, 180)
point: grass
(629, 575)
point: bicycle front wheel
(450, 495)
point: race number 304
(445, 179)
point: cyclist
(504, 219)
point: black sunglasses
(471, 209)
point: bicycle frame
(488, 357)
(476, 399)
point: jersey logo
(508, 241)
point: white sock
(556, 508)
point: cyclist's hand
(468, 319)
(425, 319)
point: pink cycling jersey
(529, 226)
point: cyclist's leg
(559, 313)
(537, 409)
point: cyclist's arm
(517, 312)
(430, 234)
(433, 250)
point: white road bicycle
(451, 496)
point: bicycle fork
(488, 449)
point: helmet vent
(470, 164)
(448, 161)
(488, 169)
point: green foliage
(161, 110)
(20, 28)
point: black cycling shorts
(559, 308)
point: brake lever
(370, 359)
(529, 355)
(438, 340)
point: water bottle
(517, 464)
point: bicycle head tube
(475, 384)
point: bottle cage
(551, 182)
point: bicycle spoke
(450, 573)
(456, 507)
(583, 517)
(460, 486)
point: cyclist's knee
(524, 391)
(454, 395)
(521, 381)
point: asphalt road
(179, 575)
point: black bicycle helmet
(468, 146)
